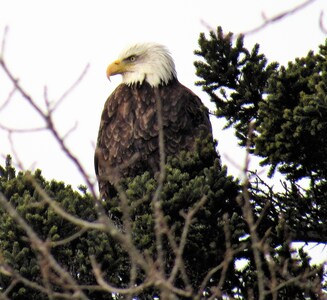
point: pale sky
(49, 43)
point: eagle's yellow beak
(117, 67)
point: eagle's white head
(149, 62)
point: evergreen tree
(287, 109)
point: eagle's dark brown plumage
(127, 142)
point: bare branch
(21, 130)
(69, 239)
(70, 131)
(70, 89)
(158, 213)
(249, 218)
(18, 87)
(3, 43)
(7, 101)
(189, 218)
(111, 289)
(269, 21)
(321, 22)
(48, 119)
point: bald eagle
(128, 143)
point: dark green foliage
(206, 242)
(15, 249)
(293, 131)
(234, 77)
(188, 180)
(286, 107)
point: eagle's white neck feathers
(150, 62)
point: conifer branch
(40, 247)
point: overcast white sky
(49, 43)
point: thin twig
(321, 22)
(269, 21)
(69, 239)
(249, 218)
(189, 218)
(21, 130)
(71, 88)
(158, 214)
(7, 101)
(111, 289)
(3, 43)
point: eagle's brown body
(128, 143)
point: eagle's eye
(132, 58)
